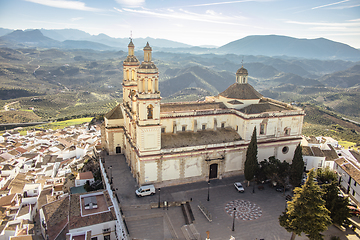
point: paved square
(256, 213)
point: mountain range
(257, 45)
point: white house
(76, 214)
(319, 152)
(349, 177)
(32, 189)
(83, 177)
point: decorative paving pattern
(244, 210)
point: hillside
(61, 84)
(273, 45)
(343, 79)
(29, 38)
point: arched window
(150, 109)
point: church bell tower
(130, 65)
(148, 137)
(242, 75)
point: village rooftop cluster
(39, 198)
(42, 185)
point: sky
(194, 22)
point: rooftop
(56, 215)
(85, 175)
(241, 91)
(264, 107)
(349, 168)
(191, 106)
(204, 137)
(115, 113)
(81, 217)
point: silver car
(239, 187)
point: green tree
(251, 161)
(325, 175)
(306, 213)
(337, 205)
(275, 170)
(297, 167)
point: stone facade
(175, 143)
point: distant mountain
(273, 45)
(119, 43)
(195, 77)
(4, 31)
(344, 79)
(30, 38)
(65, 34)
(290, 78)
(73, 44)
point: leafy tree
(337, 205)
(297, 167)
(306, 212)
(251, 162)
(325, 175)
(275, 170)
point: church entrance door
(213, 171)
(118, 149)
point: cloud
(76, 19)
(327, 24)
(330, 4)
(345, 7)
(229, 2)
(119, 10)
(66, 4)
(131, 3)
(209, 16)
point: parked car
(239, 187)
(280, 188)
(145, 191)
(354, 210)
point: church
(176, 143)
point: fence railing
(120, 230)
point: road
(6, 107)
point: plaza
(256, 213)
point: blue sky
(195, 22)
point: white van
(145, 191)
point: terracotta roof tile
(317, 152)
(306, 151)
(356, 155)
(85, 175)
(349, 168)
(241, 91)
(330, 154)
(203, 137)
(263, 107)
(115, 113)
(78, 221)
(56, 216)
(6, 200)
(191, 106)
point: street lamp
(208, 198)
(159, 198)
(110, 174)
(233, 226)
(254, 185)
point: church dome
(242, 70)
